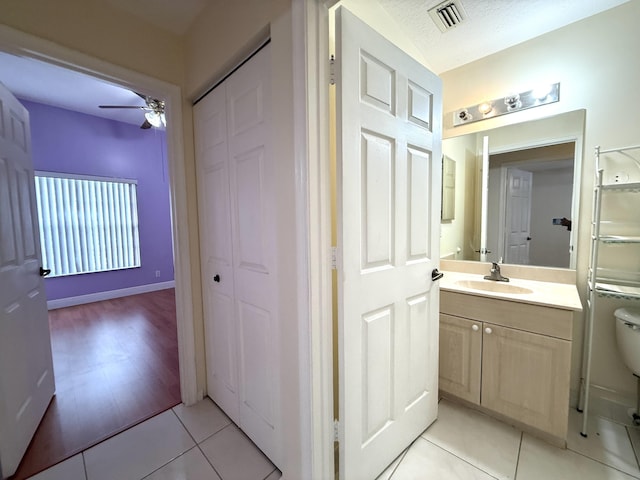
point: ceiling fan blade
(139, 107)
(146, 125)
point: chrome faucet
(496, 276)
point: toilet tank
(628, 337)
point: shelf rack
(603, 282)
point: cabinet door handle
(488, 331)
(475, 328)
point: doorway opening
(174, 174)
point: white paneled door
(389, 174)
(26, 366)
(518, 216)
(236, 177)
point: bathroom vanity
(505, 348)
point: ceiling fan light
(155, 119)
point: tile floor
(184, 443)
(201, 443)
(464, 444)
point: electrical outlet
(157, 273)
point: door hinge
(336, 430)
(332, 70)
(334, 258)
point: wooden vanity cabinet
(510, 358)
(460, 357)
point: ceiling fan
(154, 111)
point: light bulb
(485, 108)
(154, 119)
(541, 91)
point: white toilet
(628, 337)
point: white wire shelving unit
(618, 282)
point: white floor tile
(539, 460)
(202, 419)
(477, 438)
(425, 460)
(275, 475)
(607, 442)
(139, 451)
(386, 475)
(70, 469)
(235, 457)
(191, 465)
(634, 434)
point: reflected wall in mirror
(448, 189)
(532, 175)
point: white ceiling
(491, 26)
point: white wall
(596, 62)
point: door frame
(311, 115)
(26, 45)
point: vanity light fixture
(514, 102)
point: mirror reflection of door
(551, 148)
(518, 216)
(527, 190)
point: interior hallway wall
(213, 45)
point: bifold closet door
(237, 209)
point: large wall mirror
(517, 193)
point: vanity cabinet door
(460, 357)
(525, 376)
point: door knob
(44, 271)
(528, 238)
(436, 275)
(216, 278)
(488, 330)
(475, 328)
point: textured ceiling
(491, 25)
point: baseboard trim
(108, 295)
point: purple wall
(70, 142)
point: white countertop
(550, 294)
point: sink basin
(489, 286)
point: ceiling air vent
(448, 15)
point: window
(87, 224)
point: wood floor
(115, 365)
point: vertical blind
(87, 224)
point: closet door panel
(212, 161)
(253, 218)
